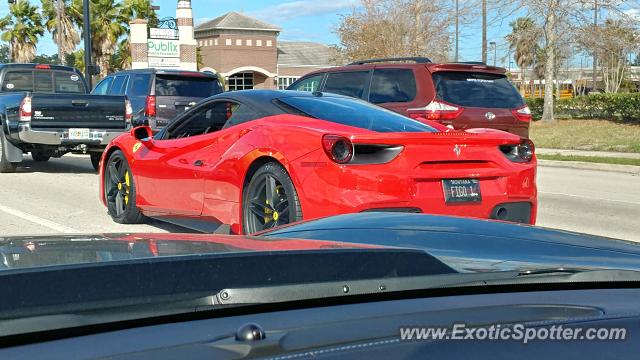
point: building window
(228, 42)
(215, 42)
(258, 42)
(269, 43)
(238, 42)
(200, 43)
(285, 81)
(210, 42)
(248, 42)
(240, 81)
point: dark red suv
(462, 95)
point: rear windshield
(43, 81)
(353, 112)
(472, 89)
(178, 85)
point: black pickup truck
(46, 110)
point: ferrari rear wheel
(120, 191)
(269, 200)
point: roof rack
(417, 60)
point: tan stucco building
(247, 52)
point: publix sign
(163, 48)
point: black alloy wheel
(120, 191)
(270, 200)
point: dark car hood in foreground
(463, 244)
(472, 245)
(49, 250)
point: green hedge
(619, 107)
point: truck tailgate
(77, 111)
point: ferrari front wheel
(269, 200)
(120, 191)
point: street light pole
(87, 42)
(595, 49)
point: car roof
(262, 99)
(165, 71)
(472, 66)
(33, 66)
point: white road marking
(38, 220)
(590, 198)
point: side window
(119, 85)
(311, 84)
(352, 84)
(102, 87)
(42, 81)
(392, 85)
(239, 113)
(206, 119)
(141, 85)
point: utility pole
(457, 15)
(87, 42)
(59, 10)
(484, 31)
(595, 49)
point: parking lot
(61, 196)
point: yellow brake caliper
(127, 182)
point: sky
(315, 20)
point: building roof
(304, 53)
(236, 21)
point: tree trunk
(549, 68)
(523, 85)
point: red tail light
(150, 106)
(522, 114)
(43, 66)
(437, 110)
(338, 148)
(25, 109)
(128, 111)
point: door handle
(79, 103)
(198, 163)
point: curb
(626, 169)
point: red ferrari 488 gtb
(246, 161)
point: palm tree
(21, 28)
(132, 9)
(107, 26)
(68, 37)
(523, 40)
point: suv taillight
(436, 110)
(150, 106)
(25, 109)
(522, 114)
(338, 148)
(128, 111)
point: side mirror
(142, 133)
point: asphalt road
(61, 196)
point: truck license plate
(461, 190)
(78, 134)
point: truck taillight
(128, 111)
(522, 114)
(150, 106)
(436, 110)
(25, 109)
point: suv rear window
(471, 89)
(392, 85)
(353, 112)
(188, 86)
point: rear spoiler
(468, 67)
